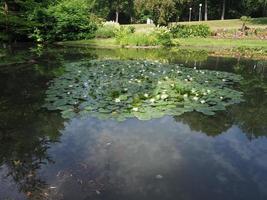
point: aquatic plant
(143, 89)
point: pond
(187, 156)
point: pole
(190, 14)
(200, 12)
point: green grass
(222, 43)
(231, 23)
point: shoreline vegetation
(255, 49)
(220, 38)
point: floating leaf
(123, 89)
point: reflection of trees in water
(250, 116)
(27, 131)
(210, 125)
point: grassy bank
(231, 23)
(184, 42)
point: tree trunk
(206, 10)
(6, 14)
(223, 10)
(117, 15)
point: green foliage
(71, 21)
(122, 89)
(163, 36)
(185, 31)
(160, 36)
(106, 30)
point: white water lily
(172, 85)
(117, 100)
(79, 71)
(159, 82)
(70, 86)
(125, 89)
(135, 109)
(138, 81)
(208, 91)
(164, 96)
(195, 98)
(224, 80)
(185, 95)
(152, 100)
(202, 101)
(206, 81)
(221, 97)
(193, 90)
(146, 95)
(204, 93)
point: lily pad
(143, 89)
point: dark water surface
(188, 157)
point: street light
(200, 13)
(190, 14)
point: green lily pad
(143, 89)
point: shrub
(106, 30)
(159, 36)
(163, 36)
(185, 31)
(69, 20)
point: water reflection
(159, 159)
(187, 157)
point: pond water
(187, 157)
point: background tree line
(22, 20)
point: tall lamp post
(190, 14)
(200, 12)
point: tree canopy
(73, 19)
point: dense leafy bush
(185, 31)
(158, 37)
(106, 30)
(163, 36)
(69, 20)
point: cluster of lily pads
(143, 89)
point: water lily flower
(152, 100)
(117, 100)
(208, 91)
(172, 85)
(191, 79)
(135, 109)
(202, 101)
(79, 71)
(68, 93)
(185, 95)
(125, 89)
(159, 82)
(204, 93)
(164, 96)
(70, 86)
(206, 81)
(221, 97)
(195, 68)
(195, 98)
(224, 80)
(193, 90)
(146, 95)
